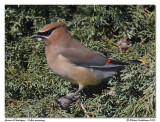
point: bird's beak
(40, 37)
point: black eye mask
(47, 33)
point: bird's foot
(65, 101)
(72, 96)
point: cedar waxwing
(72, 61)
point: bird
(72, 61)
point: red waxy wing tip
(108, 61)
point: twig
(83, 108)
(147, 109)
(94, 8)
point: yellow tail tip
(143, 61)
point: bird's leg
(74, 96)
(79, 89)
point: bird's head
(48, 31)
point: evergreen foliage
(31, 88)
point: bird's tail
(138, 61)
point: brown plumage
(71, 60)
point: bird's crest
(52, 25)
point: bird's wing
(92, 59)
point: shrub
(31, 89)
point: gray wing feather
(91, 59)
